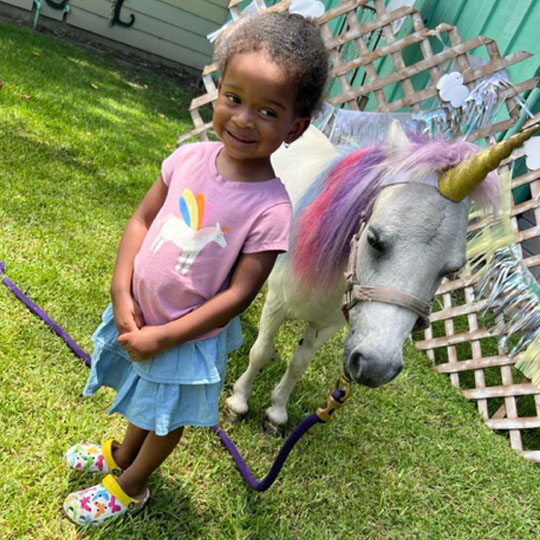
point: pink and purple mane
(342, 197)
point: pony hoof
(231, 416)
(273, 429)
(236, 405)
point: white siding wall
(172, 29)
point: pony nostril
(354, 365)
(369, 371)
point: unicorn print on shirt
(188, 233)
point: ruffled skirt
(178, 387)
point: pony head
(342, 197)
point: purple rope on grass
(299, 431)
(34, 308)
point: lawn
(81, 140)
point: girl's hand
(127, 313)
(142, 344)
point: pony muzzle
(368, 371)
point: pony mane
(342, 197)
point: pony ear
(396, 139)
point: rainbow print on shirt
(187, 232)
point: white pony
(174, 229)
(410, 200)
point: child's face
(255, 110)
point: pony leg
(272, 317)
(311, 341)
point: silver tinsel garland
(512, 291)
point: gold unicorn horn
(458, 182)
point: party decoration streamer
(512, 291)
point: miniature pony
(411, 201)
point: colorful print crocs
(96, 505)
(94, 458)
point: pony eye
(374, 241)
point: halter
(366, 293)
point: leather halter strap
(365, 293)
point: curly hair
(292, 41)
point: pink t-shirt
(205, 223)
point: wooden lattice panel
(360, 38)
(368, 62)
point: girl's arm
(249, 276)
(127, 313)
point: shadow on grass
(74, 184)
(91, 76)
(168, 503)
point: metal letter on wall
(117, 7)
(57, 5)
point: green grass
(411, 460)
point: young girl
(193, 257)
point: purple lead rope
(262, 485)
(34, 308)
(299, 431)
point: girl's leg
(153, 452)
(125, 453)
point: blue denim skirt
(178, 387)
